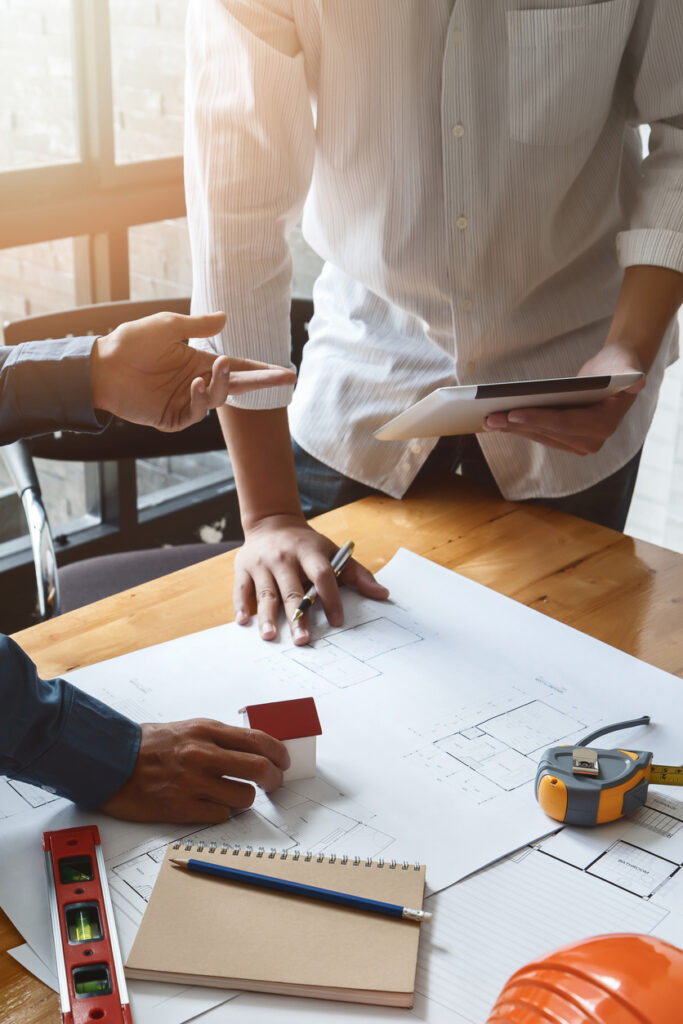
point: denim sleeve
(45, 386)
(55, 736)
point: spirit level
(89, 967)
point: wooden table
(625, 592)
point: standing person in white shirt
(472, 175)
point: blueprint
(435, 707)
(562, 889)
(625, 876)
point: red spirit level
(89, 967)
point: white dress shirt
(472, 175)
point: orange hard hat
(608, 979)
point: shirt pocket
(563, 64)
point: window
(38, 278)
(160, 261)
(147, 58)
(90, 150)
(37, 124)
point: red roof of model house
(285, 719)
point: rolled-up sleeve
(655, 235)
(55, 736)
(249, 148)
(45, 386)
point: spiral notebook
(203, 930)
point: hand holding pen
(279, 553)
(337, 564)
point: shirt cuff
(50, 386)
(656, 247)
(94, 754)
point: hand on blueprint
(146, 373)
(581, 430)
(281, 556)
(189, 771)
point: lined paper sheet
(491, 925)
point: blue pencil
(343, 899)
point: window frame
(95, 201)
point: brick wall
(36, 84)
(147, 72)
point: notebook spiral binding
(307, 855)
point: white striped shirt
(472, 175)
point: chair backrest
(83, 320)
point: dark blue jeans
(606, 502)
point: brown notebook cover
(209, 931)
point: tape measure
(89, 967)
(582, 785)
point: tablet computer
(463, 409)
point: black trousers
(607, 502)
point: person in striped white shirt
(472, 174)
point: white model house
(296, 724)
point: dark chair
(91, 579)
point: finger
(576, 446)
(239, 765)
(252, 364)
(199, 404)
(190, 809)
(361, 579)
(220, 382)
(601, 417)
(228, 792)
(635, 388)
(248, 741)
(291, 588)
(243, 597)
(319, 571)
(201, 326)
(556, 422)
(267, 602)
(242, 381)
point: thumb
(206, 325)
(635, 388)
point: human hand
(146, 373)
(581, 430)
(281, 555)
(180, 772)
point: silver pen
(337, 564)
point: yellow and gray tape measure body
(578, 785)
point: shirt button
(416, 449)
(457, 35)
(458, 130)
(466, 305)
(461, 223)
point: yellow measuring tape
(665, 775)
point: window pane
(69, 492)
(148, 60)
(37, 279)
(160, 267)
(170, 477)
(37, 108)
(160, 262)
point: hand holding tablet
(463, 409)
